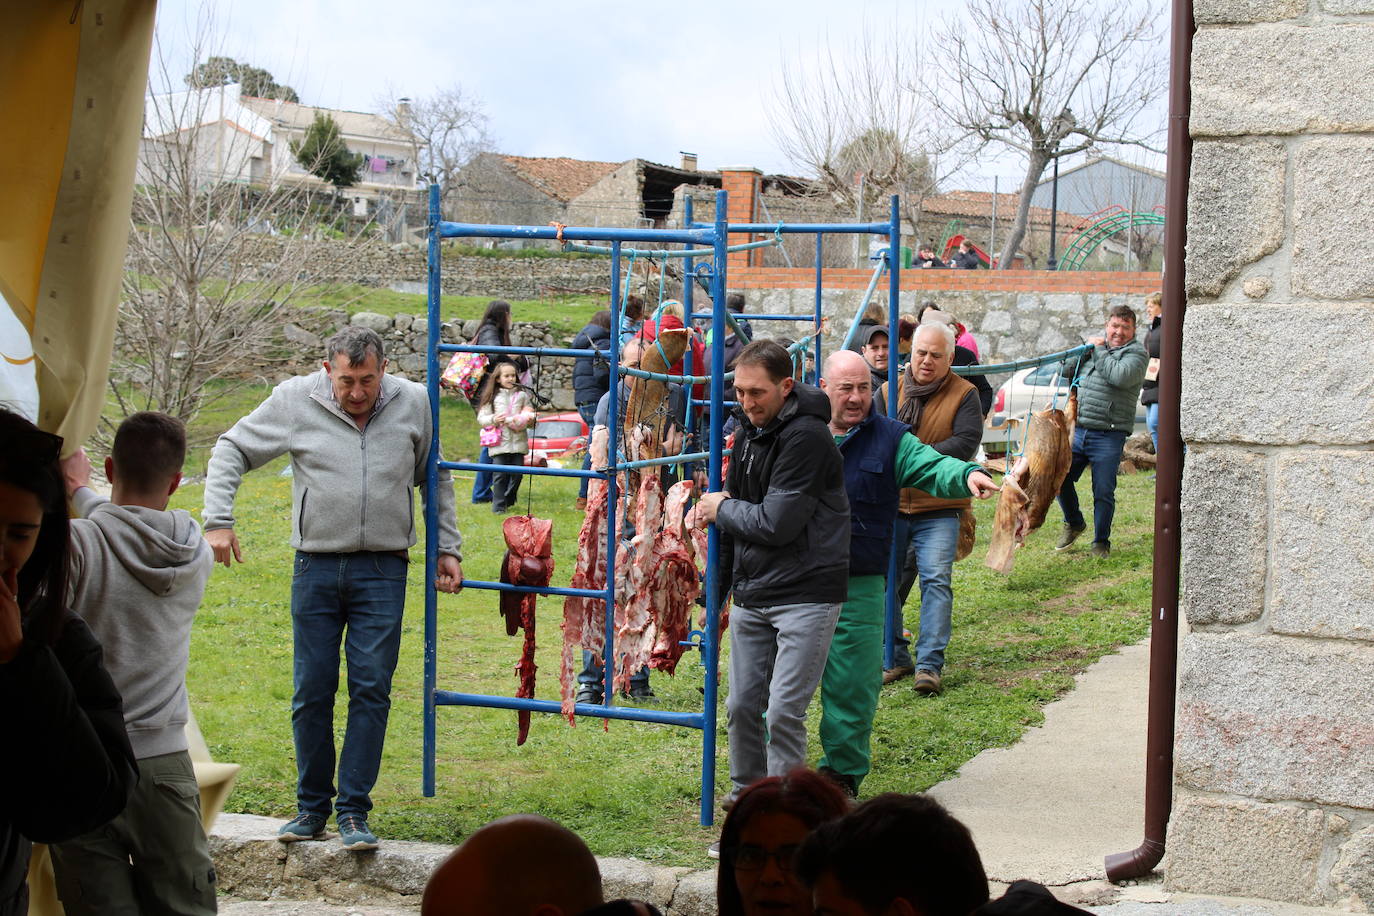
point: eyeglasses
(754, 858)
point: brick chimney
(689, 161)
(742, 184)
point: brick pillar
(741, 183)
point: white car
(1030, 390)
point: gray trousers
(777, 657)
(152, 859)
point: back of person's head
(634, 307)
(149, 450)
(624, 907)
(674, 308)
(516, 866)
(804, 794)
(602, 319)
(735, 302)
(898, 847)
(29, 468)
(925, 306)
(768, 355)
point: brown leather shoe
(926, 682)
(580, 504)
(892, 675)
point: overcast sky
(589, 80)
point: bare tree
(1049, 78)
(216, 252)
(447, 129)
(859, 125)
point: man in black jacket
(784, 524)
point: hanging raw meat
(639, 583)
(1037, 476)
(528, 561)
(677, 580)
(584, 619)
(648, 396)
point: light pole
(1052, 262)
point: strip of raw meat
(528, 561)
(1038, 473)
(584, 619)
(639, 584)
(968, 533)
(673, 560)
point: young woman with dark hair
(762, 833)
(67, 767)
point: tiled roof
(978, 205)
(560, 177)
(351, 123)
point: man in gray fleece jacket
(359, 441)
(138, 575)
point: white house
(246, 140)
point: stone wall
(1275, 752)
(406, 336)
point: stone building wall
(612, 201)
(1274, 786)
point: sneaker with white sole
(354, 835)
(303, 826)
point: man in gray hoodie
(138, 575)
(359, 441)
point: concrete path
(1053, 805)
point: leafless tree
(216, 253)
(858, 123)
(1049, 78)
(447, 129)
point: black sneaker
(589, 694)
(1069, 535)
(640, 692)
(845, 781)
(303, 826)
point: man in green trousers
(881, 456)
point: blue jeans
(481, 484)
(1100, 449)
(356, 599)
(588, 412)
(1152, 423)
(594, 675)
(930, 544)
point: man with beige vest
(944, 411)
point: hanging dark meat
(639, 583)
(584, 619)
(528, 561)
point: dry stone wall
(1275, 750)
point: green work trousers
(853, 677)
(152, 860)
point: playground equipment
(704, 258)
(952, 245)
(1101, 226)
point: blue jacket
(591, 374)
(870, 480)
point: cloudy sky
(590, 80)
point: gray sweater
(137, 579)
(351, 489)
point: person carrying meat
(783, 518)
(881, 457)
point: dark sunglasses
(754, 858)
(37, 445)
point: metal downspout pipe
(1159, 748)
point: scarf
(913, 398)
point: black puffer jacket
(786, 528)
(591, 374)
(67, 766)
(1149, 389)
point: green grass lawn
(630, 789)
(566, 315)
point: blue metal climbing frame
(713, 239)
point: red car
(555, 434)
